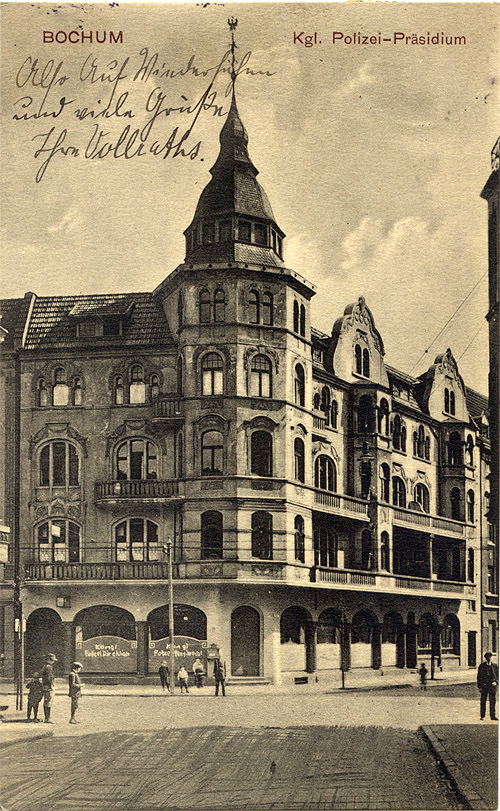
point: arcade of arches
(108, 639)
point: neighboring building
(491, 193)
(326, 510)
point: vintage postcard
(249, 406)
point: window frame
(65, 547)
(149, 550)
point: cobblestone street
(345, 751)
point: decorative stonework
(57, 430)
(264, 484)
(132, 428)
(211, 570)
(260, 350)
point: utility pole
(171, 614)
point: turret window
(254, 307)
(366, 363)
(421, 444)
(469, 451)
(219, 306)
(385, 481)
(225, 231)
(455, 504)
(262, 535)
(261, 453)
(204, 306)
(421, 494)
(244, 231)
(302, 320)
(452, 403)
(295, 315)
(299, 383)
(180, 310)
(212, 450)
(212, 371)
(299, 539)
(455, 453)
(260, 232)
(449, 401)
(398, 492)
(299, 459)
(260, 377)
(208, 233)
(211, 534)
(358, 364)
(470, 506)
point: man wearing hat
(48, 680)
(75, 689)
(487, 681)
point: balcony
(168, 409)
(430, 523)
(381, 581)
(136, 490)
(342, 505)
(268, 570)
(491, 599)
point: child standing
(423, 676)
(35, 695)
(182, 675)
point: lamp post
(171, 614)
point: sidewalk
(327, 682)
(468, 755)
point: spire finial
(232, 22)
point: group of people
(43, 686)
(198, 672)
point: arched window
(470, 565)
(403, 438)
(219, 306)
(396, 433)
(469, 452)
(137, 385)
(212, 369)
(452, 403)
(325, 546)
(180, 376)
(299, 459)
(254, 307)
(136, 539)
(427, 448)
(59, 465)
(58, 541)
(136, 459)
(398, 492)
(325, 403)
(455, 504)
(180, 310)
(302, 320)
(470, 506)
(366, 363)
(211, 534)
(260, 376)
(212, 453)
(366, 550)
(325, 475)
(316, 402)
(154, 387)
(267, 310)
(421, 495)
(262, 535)
(295, 315)
(358, 364)
(455, 455)
(300, 385)
(365, 414)
(77, 392)
(421, 442)
(385, 563)
(447, 401)
(118, 390)
(383, 417)
(450, 635)
(204, 306)
(42, 394)
(415, 443)
(334, 411)
(299, 539)
(60, 390)
(261, 453)
(385, 482)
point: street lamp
(171, 614)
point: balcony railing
(168, 408)
(432, 522)
(384, 581)
(342, 504)
(136, 489)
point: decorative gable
(444, 395)
(357, 350)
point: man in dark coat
(220, 676)
(487, 681)
(75, 690)
(48, 684)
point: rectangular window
(225, 228)
(87, 329)
(493, 635)
(260, 234)
(208, 233)
(112, 326)
(58, 464)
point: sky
(373, 155)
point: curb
(467, 793)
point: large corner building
(327, 511)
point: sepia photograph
(249, 406)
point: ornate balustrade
(137, 489)
(168, 408)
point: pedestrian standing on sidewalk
(198, 671)
(48, 684)
(220, 676)
(487, 682)
(423, 676)
(182, 675)
(75, 690)
(35, 695)
(164, 674)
